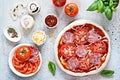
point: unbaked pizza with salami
(82, 47)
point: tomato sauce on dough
(83, 48)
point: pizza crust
(80, 22)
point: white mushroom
(17, 10)
(33, 8)
(27, 22)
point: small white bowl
(39, 35)
(8, 36)
(12, 67)
(80, 22)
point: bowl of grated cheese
(39, 37)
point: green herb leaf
(11, 30)
(93, 6)
(108, 13)
(113, 9)
(110, 3)
(107, 73)
(52, 67)
(100, 6)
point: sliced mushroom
(27, 22)
(33, 8)
(17, 10)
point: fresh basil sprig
(107, 73)
(107, 6)
(52, 67)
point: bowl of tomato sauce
(82, 48)
(25, 60)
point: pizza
(82, 48)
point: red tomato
(99, 47)
(29, 69)
(80, 36)
(59, 3)
(68, 50)
(35, 67)
(24, 69)
(23, 53)
(71, 9)
(84, 64)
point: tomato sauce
(95, 56)
(51, 21)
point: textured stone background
(112, 28)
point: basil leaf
(93, 6)
(52, 67)
(108, 13)
(107, 73)
(111, 3)
(100, 6)
(113, 9)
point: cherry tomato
(68, 50)
(59, 3)
(23, 53)
(71, 9)
(99, 47)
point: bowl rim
(12, 67)
(79, 22)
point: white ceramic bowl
(12, 67)
(80, 22)
(8, 37)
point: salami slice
(35, 54)
(81, 51)
(73, 63)
(92, 36)
(95, 59)
(67, 37)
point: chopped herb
(12, 32)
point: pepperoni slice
(99, 47)
(80, 35)
(68, 50)
(92, 36)
(81, 51)
(73, 63)
(95, 59)
(84, 64)
(67, 37)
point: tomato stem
(71, 9)
(60, 0)
(23, 52)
